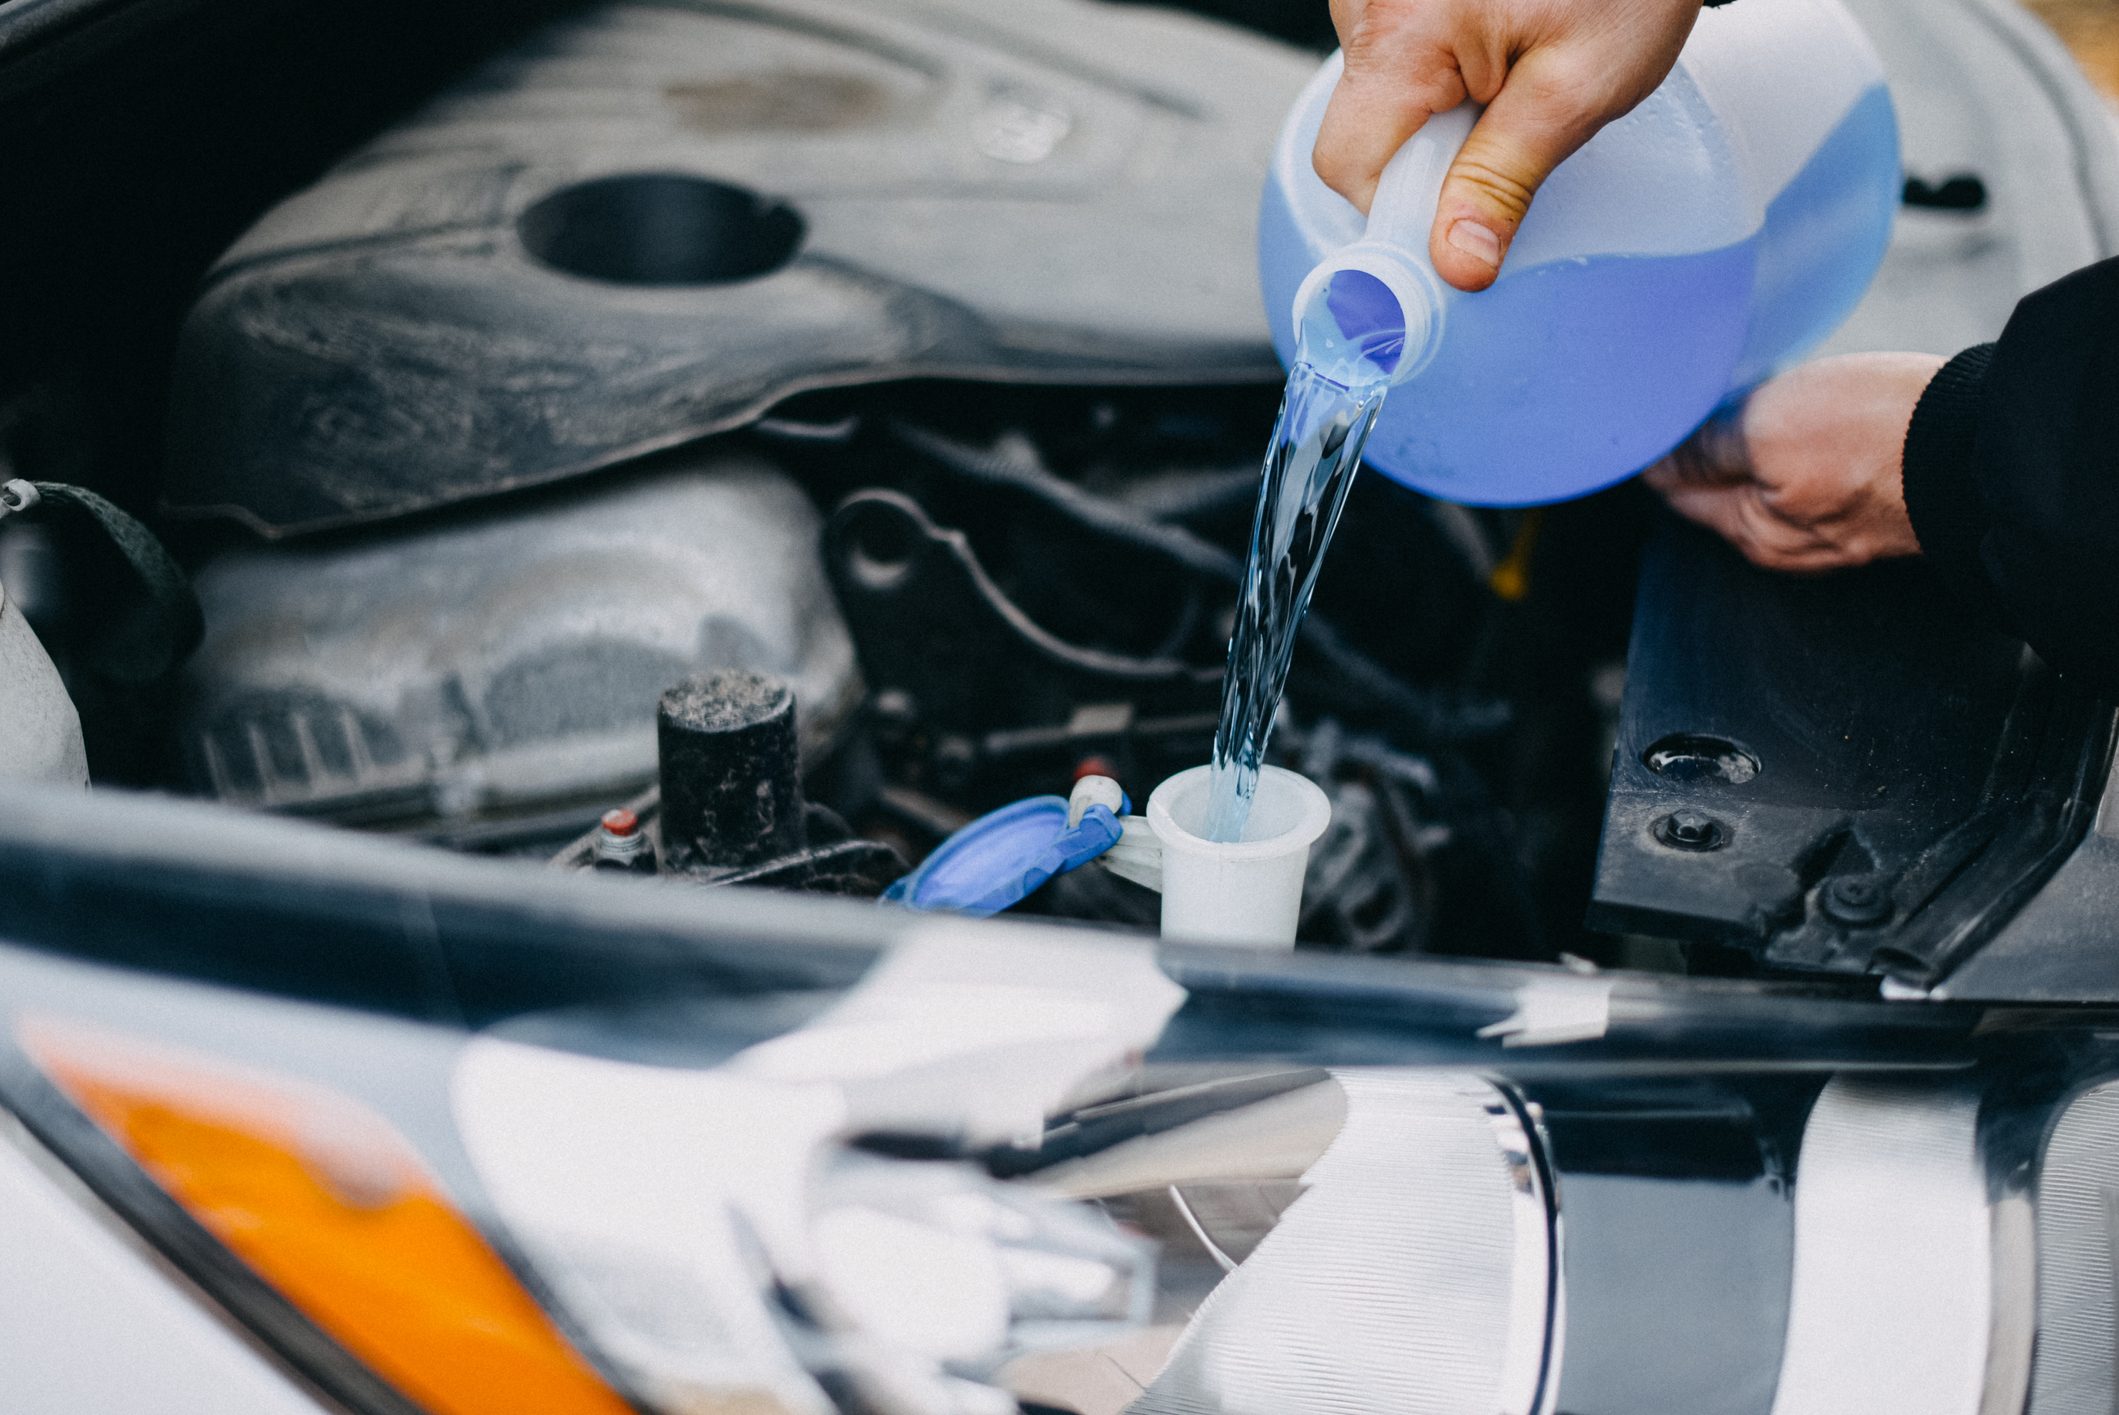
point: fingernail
(1476, 241)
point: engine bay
(911, 360)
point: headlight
(422, 1219)
(334, 1211)
(1412, 1268)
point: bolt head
(1691, 830)
(1859, 901)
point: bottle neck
(1373, 311)
(1369, 315)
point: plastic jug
(1728, 223)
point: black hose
(1349, 679)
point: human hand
(1808, 475)
(1551, 72)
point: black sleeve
(2012, 475)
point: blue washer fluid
(1726, 225)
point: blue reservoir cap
(1000, 858)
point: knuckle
(1567, 85)
(1763, 534)
(1340, 170)
(1758, 525)
(1444, 90)
(1487, 177)
(1767, 557)
(1392, 14)
(1388, 35)
(1374, 39)
(1807, 506)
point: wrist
(1936, 467)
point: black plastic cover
(1846, 774)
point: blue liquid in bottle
(1571, 374)
(1579, 366)
(1539, 387)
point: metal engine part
(40, 733)
(648, 223)
(978, 700)
(507, 664)
(651, 223)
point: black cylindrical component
(731, 784)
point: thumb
(1531, 127)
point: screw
(1691, 830)
(1857, 901)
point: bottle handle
(1411, 185)
(1393, 251)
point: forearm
(2011, 475)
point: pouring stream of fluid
(1309, 465)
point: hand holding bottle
(1806, 476)
(1551, 72)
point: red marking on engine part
(1095, 766)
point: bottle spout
(1367, 316)
(1371, 313)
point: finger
(1395, 80)
(1536, 122)
(1739, 516)
(1732, 513)
(1715, 507)
(1715, 455)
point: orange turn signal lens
(325, 1201)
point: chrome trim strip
(1891, 1306)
